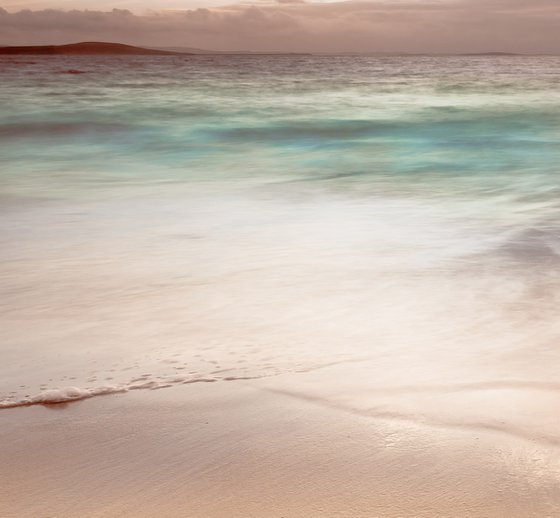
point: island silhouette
(100, 48)
(88, 48)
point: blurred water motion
(168, 220)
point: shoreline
(254, 448)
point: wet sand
(358, 255)
(290, 446)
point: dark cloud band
(291, 25)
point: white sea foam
(61, 395)
(70, 394)
(388, 212)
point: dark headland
(88, 48)
(96, 48)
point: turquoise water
(316, 119)
(168, 218)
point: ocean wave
(423, 129)
(61, 129)
(71, 394)
(61, 395)
(533, 246)
(146, 382)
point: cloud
(288, 25)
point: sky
(416, 26)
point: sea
(169, 220)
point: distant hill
(88, 48)
(96, 48)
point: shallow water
(174, 220)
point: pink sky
(448, 26)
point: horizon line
(190, 51)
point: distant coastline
(93, 48)
(89, 48)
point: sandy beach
(279, 447)
(379, 394)
(280, 287)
